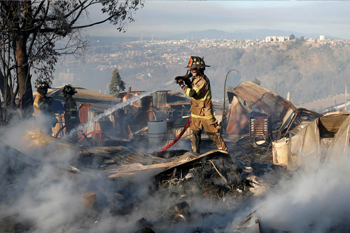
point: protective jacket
(44, 113)
(201, 105)
(202, 112)
(71, 118)
(42, 104)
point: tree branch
(39, 8)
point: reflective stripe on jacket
(201, 105)
(71, 112)
(41, 104)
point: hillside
(309, 70)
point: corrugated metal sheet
(238, 118)
(249, 97)
(83, 112)
(254, 96)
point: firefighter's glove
(179, 80)
(188, 83)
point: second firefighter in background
(202, 114)
(71, 117)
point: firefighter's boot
(196, 140)
(218, 141)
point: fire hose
(178, 136)
(96, 131)
(59, 131)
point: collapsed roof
(323, 140)
(248, 99)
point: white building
(276, 38)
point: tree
(292, 37)
(256, 81)
(34, 33)
(117, 84)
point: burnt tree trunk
(25, 93)
(5, 94)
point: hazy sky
(173, 17)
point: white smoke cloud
(310, 201)
(51, 199)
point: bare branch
(39, 8)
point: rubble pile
(112, 176)
(214, 178)
(112, 188)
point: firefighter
(71, 117)
(202, 114)
(43, 111)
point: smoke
(41, 193)
(50, 201)
(38, 193)
(33, 188)
(310, 201)
(121, 105)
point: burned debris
(261, 114)
(119, 179)
(321, 141)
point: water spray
(121, 105)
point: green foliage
(117, 84)
(256, 81)
(292, 37)
(34, 34)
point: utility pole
(346, 97)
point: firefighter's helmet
(69, 90)
(196, 63)
(43, 85)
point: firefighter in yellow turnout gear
(201, 105)
(43, 111)
(71, 117)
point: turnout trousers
(211, 127)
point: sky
(163, 18)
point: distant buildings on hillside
(286, 38)
(276, 38)
(66, 78)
